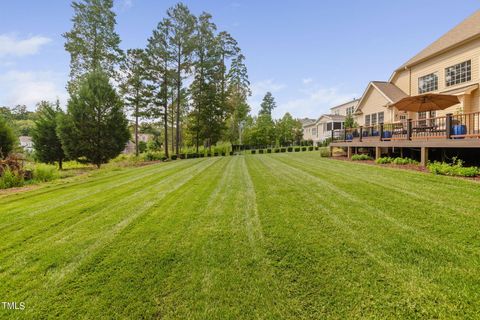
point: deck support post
(349, 152)
(378, 152)
(448, 125)
(423, 156)
(401, 152)
(409, 129)
(331, 151)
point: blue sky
(310, 54)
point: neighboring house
(309, 129)
(130, 146)
(26, 143)
(321, 129)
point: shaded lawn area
(260, 236)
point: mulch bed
(410, 167)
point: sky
(310, 54)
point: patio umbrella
(426, 102)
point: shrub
(253, 151)
(297, 149)
(304, 148)
(11, 179)
(324, 152)
(202, 155)
(269, 150)
(384, 160)
(310, 148)
(215, 154)
(173, 157)
(316, 148)
(231, 153)
(404, 161)
(209, 154)
(260, 151)
(276, 150)
(45, 172)
(454, 169)
(289, 149)
(283, 149)
(181, 155)
(153, 156)
(164, 158)
(361, 157)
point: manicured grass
(268, 236)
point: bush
(454, 169)
(202, 155)
(173, 157)
(361, 157)
(11, 179)
(384, 160)
(215, 154)
(260, 151)
(276, 150)
(297, 149)
(153, 156)
(253, 151)
(223, 154)
(269, 150)
(45, 172)
(304, 148)
(316, 148)
(310, 148)
(404, 161)
(283, 149)
(181, 155)
(289, 149)
(324, 152)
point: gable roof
(332, 117)
(465, 31)
(351, 102)
(388, 90)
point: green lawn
(260, 236)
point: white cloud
(260, 88)
(314, 102)
(127, 4)
(307, 81)
(12, 46)
(29, 88)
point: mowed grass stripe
(373, 183)
(53, 258)
(30, 227)
(394, 252)
(65, 191)
(289, 236)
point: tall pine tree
(92, 43)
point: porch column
(349, 152)
(423, 156)
(378, 152)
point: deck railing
(460, 126)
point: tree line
(189, 84)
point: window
(314, 131)
(381, 116)
(367, 120)
(337, 125)
(421, 116)
(329, 126)
(350, 110)
(458, 73)
(428, 83)
(374, 119)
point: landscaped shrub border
(453, 169)
(397, 161)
